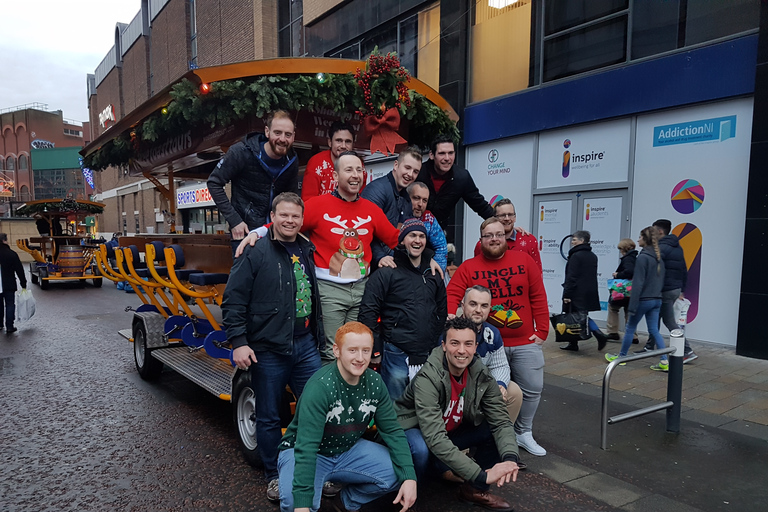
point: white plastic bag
(25, 305)
(681, 312)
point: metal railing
(674, 388)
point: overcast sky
(47, 47)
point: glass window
(385, 39)
(10, 163)
(2, 164)
(560, 15)
(428, 51)
(655, 26)
(712, 19)
(408, 43)
(500, 46)
(23, 163)
(592, 47)
(290, 24)
(350, 52)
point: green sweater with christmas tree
(331, 416)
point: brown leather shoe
(483, 499)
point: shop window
(23, 163)
(500, 46)
(585, 49)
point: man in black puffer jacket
(448, 183)
(675, 279)
(412, 305)
(260, 167)
(272, 317)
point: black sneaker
(613, 336)
(11, 330)
(642, 350)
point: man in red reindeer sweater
(342, 226)
(518, 309)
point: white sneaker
(526, 440)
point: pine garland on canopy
(64, 206)
(370, 92)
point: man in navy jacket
(10, 267)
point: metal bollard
(675, 379)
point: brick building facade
(165, 39)
(23, 128)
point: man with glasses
(519, 311)
(517, 238)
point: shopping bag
(619, 288)
(25, 305)
(570, 326)
(681, 312)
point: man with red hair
(323, 442)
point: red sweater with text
(318, 176)
(342, 232)
(519, 302)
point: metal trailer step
(213, 375)
(126, 333)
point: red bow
(383, 132)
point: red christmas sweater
(342, 232)
(524, 243)
(318, 176)
(519, 301)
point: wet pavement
(80, 430)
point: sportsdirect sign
(717, 129)
(195, 197)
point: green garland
(59, 207)
(229, 101)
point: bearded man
(518, 309)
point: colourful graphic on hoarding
(687, 196)
(691, 242)
(587, 211)
(566, 158)
(495, 199)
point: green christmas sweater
(331, 416)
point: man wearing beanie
(411, 303)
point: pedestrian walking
(625, 270)
(645, 300)
(10, 268)
(580, 286)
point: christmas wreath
(373, 93)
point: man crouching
(459, 407)
(323, 442)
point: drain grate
(5, 365)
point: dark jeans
(9, 298)
(269, 377)
(486, 455)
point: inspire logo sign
(717, 129)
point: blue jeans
(394, 370)
(366, 468)
(486, 455)
(269, 377)
(9, 298)
(650, 310)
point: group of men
(355, 271)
